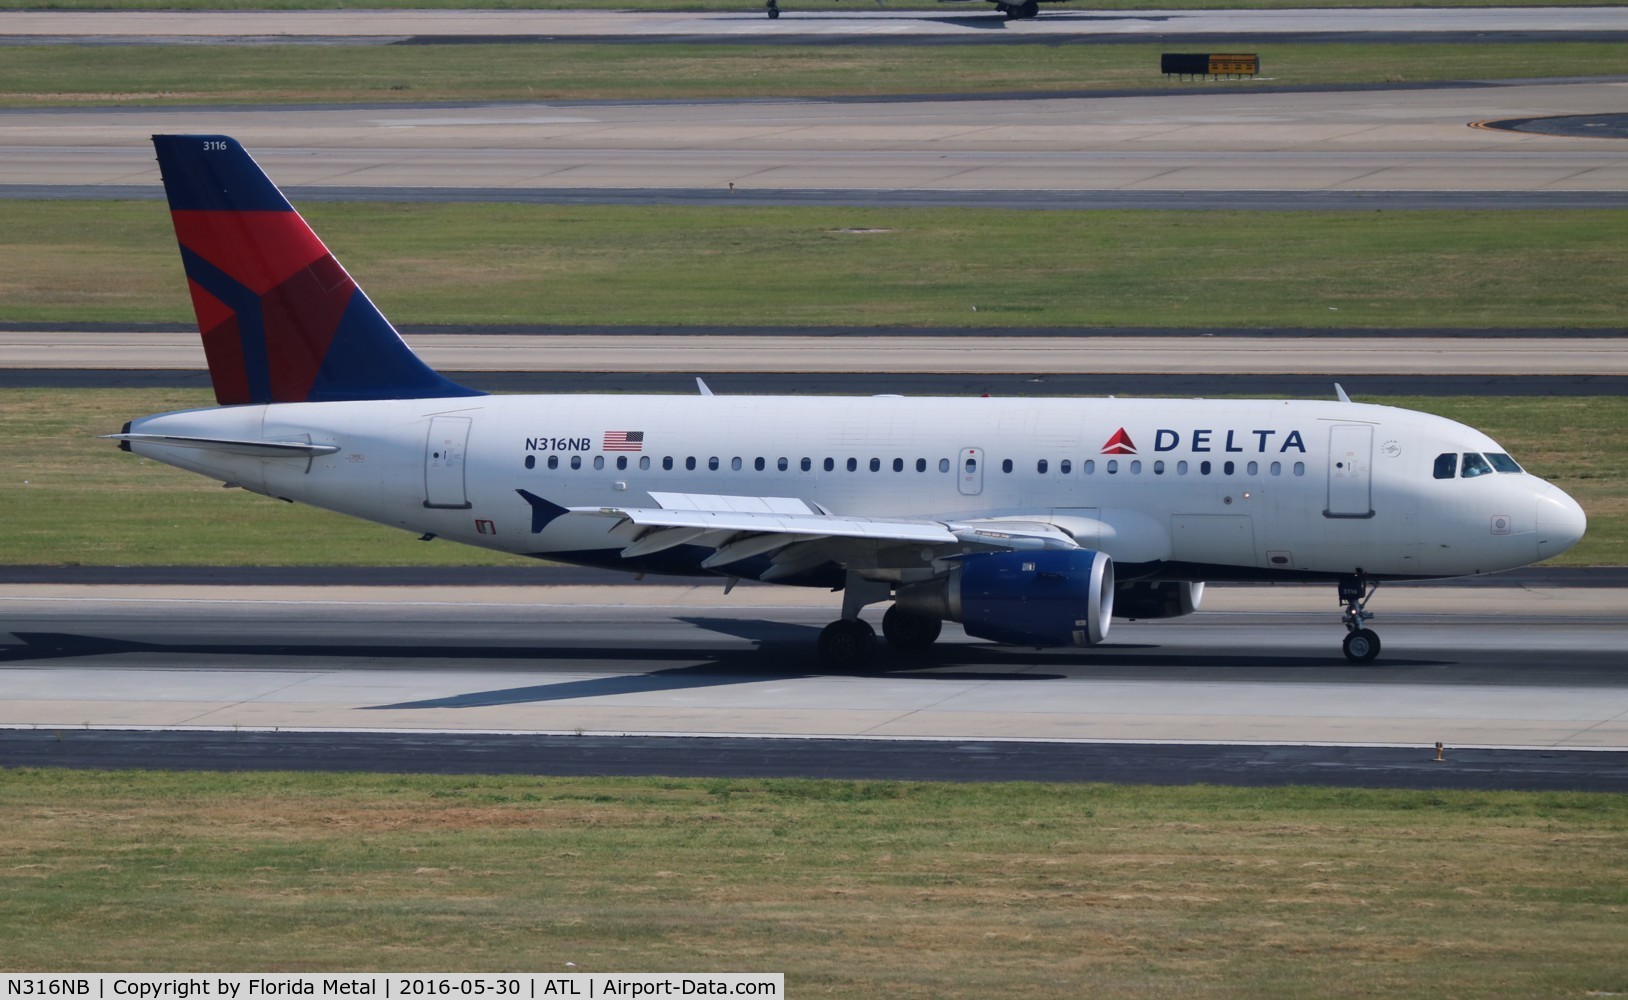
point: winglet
(282, 322)
(1339, 392)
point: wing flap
(801, 526)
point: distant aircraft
(1030, 521)
(1013, 11)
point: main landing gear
(773, 7)
(849, 643)
(1019, 11)
(1361, 643)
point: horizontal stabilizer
(260, 449)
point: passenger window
(898, 465)
(1113, 466)
(1277, 468)
(1136, 467)
(553, 461)
(1475, 465)
(830, 464)
(853, 465)
(1040, 466)
(876, 465)
(758, 463)
(1006, 465)
(1447, 465)
(1204, 468)
(1254, 468)
(599, 461)
(783, 464)
(1502, 462)
(621, 462)
(667, 463)
(972, 466)
(712, 464)
(735, 464)
(1300, 468)
(1181, 467)
(1065, 466)
(1228, 468)
(531, 461)
(644, 462)
(689, 463)
(807, 464)
(944, 465)
(1158, 467)
(1089, 467)
(576, 461)
(921, 465)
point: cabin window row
(714, 463)
(1065, 467)
(1181, 467)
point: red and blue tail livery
(282, 322)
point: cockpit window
(1447, 465)
(1502, 462)
(1475, 465)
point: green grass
(852, 889)
(67, 498)
(677, 266)
(59, 75)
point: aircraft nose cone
(1561, 522)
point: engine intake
(1048, 598)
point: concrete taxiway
(810, 22)
(1515, 667)
(1339, 141)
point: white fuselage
(1172, 489)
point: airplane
(1030, 521)
(1020, 10)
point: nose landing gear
(1361, 643)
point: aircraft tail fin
(282, 321)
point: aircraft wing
(800, 535)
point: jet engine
(1045, 598)
(1157, 600)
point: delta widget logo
(1119, 444)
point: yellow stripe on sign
(1245, 64)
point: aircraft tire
(905, 631)
(847, 645)
(1362, 645)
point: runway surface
(813, 22)
(1353, 357)
(1341, 142)
(854, 760)
(1514, 667)
(1365, 387)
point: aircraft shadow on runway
(780, 652)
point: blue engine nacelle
(1044, 598)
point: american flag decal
(624, 440)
